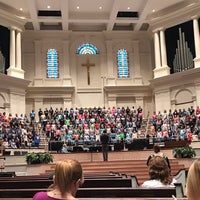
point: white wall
(138, 45)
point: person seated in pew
(157, 152)
(64, 148)
(193, 181)
(159, 174)
(66, 181)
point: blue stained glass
(52, 64)
(87, 48)
(122, 61)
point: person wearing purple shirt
(67, 179)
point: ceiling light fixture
(153, 10)
(48, 7)
(128, 8)
(77, 7)
(100, 7)
(21, 9)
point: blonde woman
(193, 181)
(68, 177)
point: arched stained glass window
(87, 48)
(122, 62)
(52, 64)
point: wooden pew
(42, 183)
(97, 183)
(125, 192)
(25, 184)
(113, 198)
(97, 192)
(29, 177)
(111, 175)
(51, 177)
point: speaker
(7, 174)
(77, 149)
(55, 146)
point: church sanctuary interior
(71, 70)
(99, 53)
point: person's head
(159, 170)
(193, 181)
(156, 148)
(68, 176)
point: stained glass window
(52, 64)
(122, 62)
(87, 48)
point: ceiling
(85, 15)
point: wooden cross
(88, 65)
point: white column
(157, 50)
(66, 61)
(38, 58)
(38, 79)
(196, 37)
(12, 48)
(110, 79)
(18, 50)
(163, 49)
(66, 58)
(136, 57)
(160, 56)
(196, 42)
(15, 55)
(109, 58)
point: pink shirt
(42, 196)
(48, 127)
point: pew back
(97, 192)
(88, 183)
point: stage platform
(18, 164)
(136, 145)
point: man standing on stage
(105, 141)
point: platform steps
(136, 168)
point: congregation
(85, 126)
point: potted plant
(39, 158)
(184, 152)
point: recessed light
(128, 8)
(100, 7)
(77, 7)
(153, 10)
(21, 9)
(48, 6)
